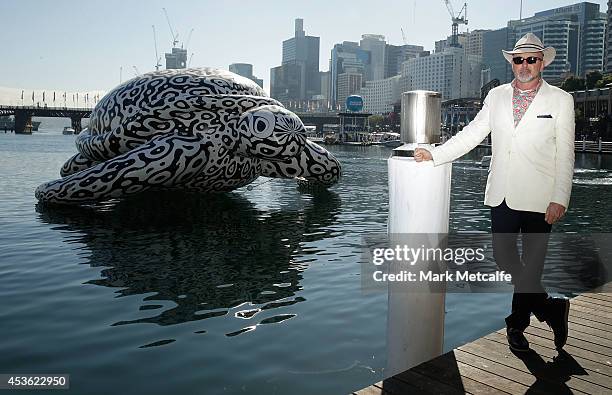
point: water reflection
(199, 256)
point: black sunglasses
(530, 59)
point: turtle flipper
(165, 161)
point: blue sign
(354, 103)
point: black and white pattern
(203, 130)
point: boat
(392, 143)
(330, 139)
(386, 139)
(68, 130)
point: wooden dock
(487, 366)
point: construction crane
(190, 57)
(404, 36)
(174, 36)
(456, 21)
(188, 39)
(136, 71)
(157, 57)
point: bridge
(23, 115)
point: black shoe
(558, 321)
(516, 340)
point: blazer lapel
(510, 107)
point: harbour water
(257, 291)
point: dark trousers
(526, 269)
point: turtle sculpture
(201, 130)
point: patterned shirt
(521, 100)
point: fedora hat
(531, 43)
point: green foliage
(573, 84)
(376, 120)
(605, 80)
(592, 78)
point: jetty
(487, 366)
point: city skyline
(69, 46)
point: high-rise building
(349, 83)
(440, 45)
(608, 40)
(395, 55)
(299, 70)
(379, 96)
(470, 41)
(575, 31)
(325, 76)
(177, 59)
(473, 42)
(375, 44)
(493, 42)
(346, 58)
(608, 43)
(451, 72)
(286, 83)
(245, 70)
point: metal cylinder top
(421, 117)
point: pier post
(23, 122)
(76, 124)
(419, 204)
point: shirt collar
(520, 91)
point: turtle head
(270, 132)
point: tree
(592, 78)
(376, 121)
(605, 80)
(573, 84)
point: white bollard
(419, 205)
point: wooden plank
(598, 301)
(493, 380)
(583, 308)
(588, 316)
(444, 369)
(605, 297)
(425, 383)
(484, 365)
(397, 387)
(588, 342)
(587, 304)
(371, 390)
(587, 364)
(534, 364)
(575, 351)
(590, 324)
(577, 329)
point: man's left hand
(554, 212)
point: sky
(80, 46)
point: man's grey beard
(526, 77)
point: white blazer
(532, 165)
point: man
(530, 179)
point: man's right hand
(421, 154)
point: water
(252, 292)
